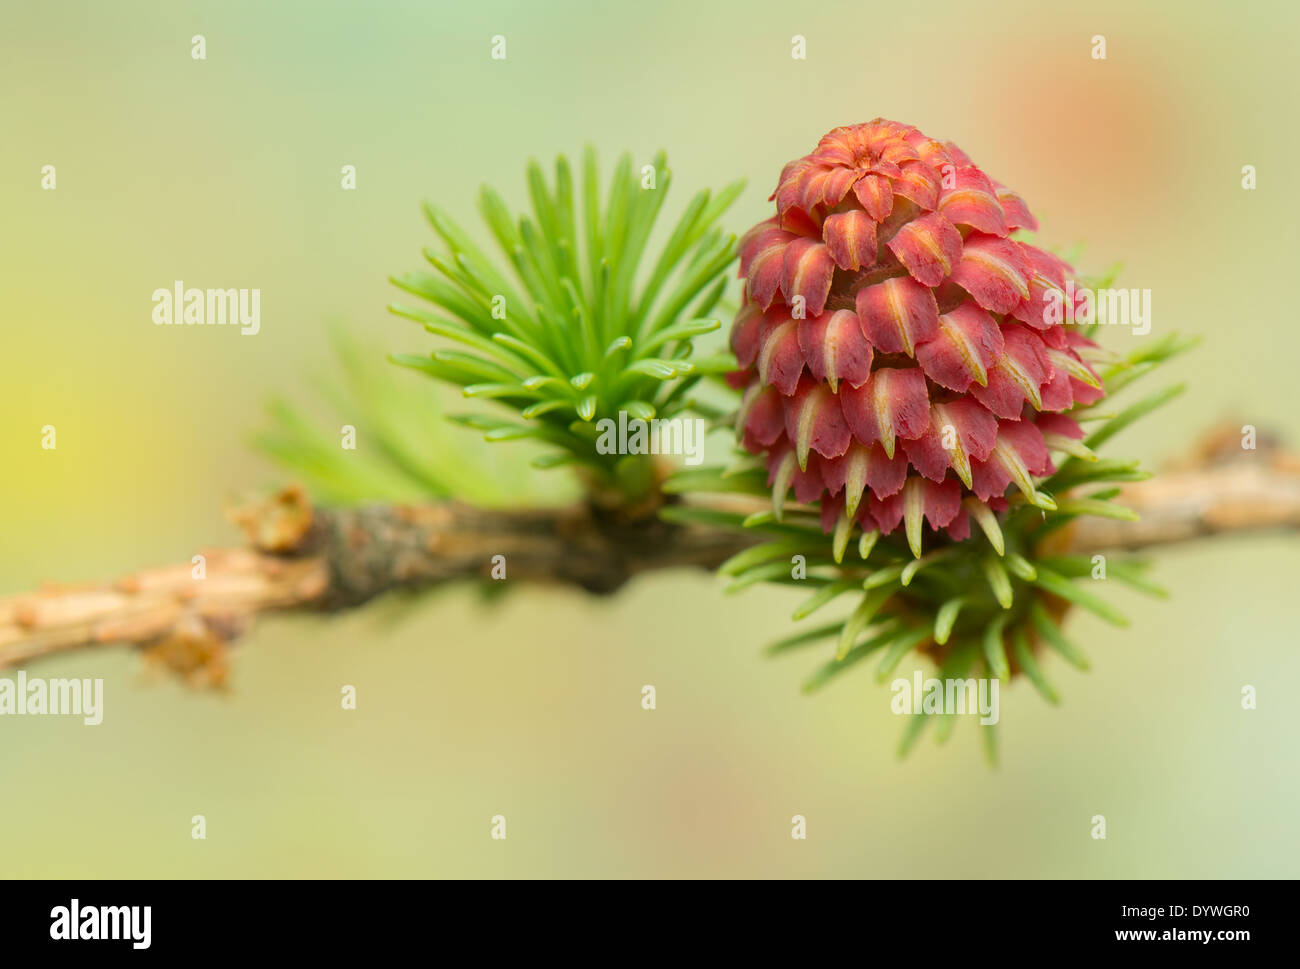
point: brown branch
(305, 558)
(1219, 489)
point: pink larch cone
(900, 358)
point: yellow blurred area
(226, 173)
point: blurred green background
(225, 172)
